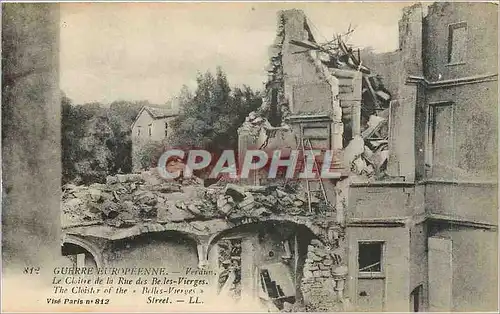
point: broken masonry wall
(320, 289)
(401, 162)
(387, 65)
(253, 133)
(298, 84)
(274, 106)
(305, 86)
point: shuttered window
(457, 43)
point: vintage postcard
(250, 157)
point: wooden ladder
(306, 143)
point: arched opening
(262, 260)
(170, 249)
(77, 256)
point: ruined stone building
(418, 130)
(409, 223)
(435, 214)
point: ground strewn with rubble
(138, 204)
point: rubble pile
(230, 263)
(318, 284)
(367, 154)
(336, 54)
(126, 200)
(254, 123)
(370, 158)
(320, 261)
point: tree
(121, 115)
(209, 118)
(96, 140)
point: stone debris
(318, 284)
(126, 200)
(367, 154)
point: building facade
(432, 224)
(152, 125)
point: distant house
(152, 125)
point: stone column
(340, 275)
(31, 134)
(248, 253)
(202, 249)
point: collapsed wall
(308, 79)
(135, 204)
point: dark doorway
(416, 299)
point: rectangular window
(370, 257)
(440, 138)
(150, 126)
(138, 131)
(166, 129)
(457, 43)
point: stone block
(314, 267)
(261, 211)
(308, 274)
(316, 242)
(122, 178)
(326, 273)
(111, 180)
(235, 191)
(322, 266)
(320, 252)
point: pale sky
(147, 51)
